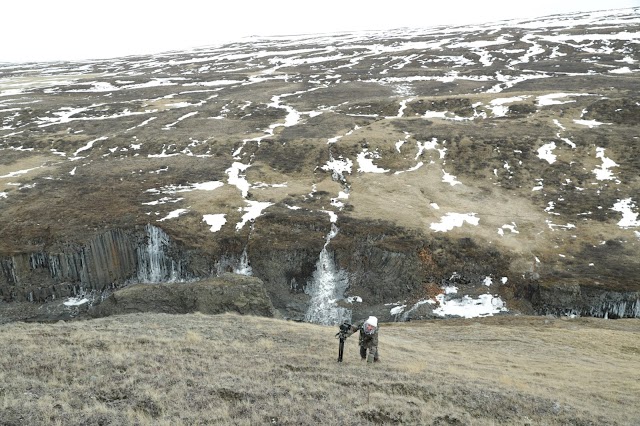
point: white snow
(174, 214)
(236, 179)
(366, 163)
(511, 228)
(552, 99)
(208, 186)
(468, 307)
(627, 59)
(498, 107)
(293, 116)
(19, 172)
(431, 145)
(252, 212)
(403, 106)
(578, 38)
(450, 179)
(539, 187)
(550, 206)
(333, 218)
(144, 123)
(435, 114)
(215, 221)
(163, 200)
(451, 289)
(172, 189)
(11, 92)
(568, 142)
(557, 123)
(163, 154)
(89, 145)
(629, 217)
(553, 226)
(397, 310)
(545, 152)
(590, 123)
(76, 301)
(603, 172)
(487, 281)
(338, 167)
(416, 167)
(622, 70)
(184, 117)
(453, 220)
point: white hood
(373, 321)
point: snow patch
(453, 220)
(545, 152)
(252, 212)
(338, 167)
(215, 221)
(174, 214)
(365, 162)
(590, 123)
(75, 301)
(603, 172)
(468, 307)
(235, 178)
(450, 179)
(629, 217)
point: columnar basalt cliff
(109, 260)
(407, 173)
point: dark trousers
(373, 353)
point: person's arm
(354, 328)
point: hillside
(392, 172)
(228, 369)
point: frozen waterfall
(327, 285)
(243, 268)
(154, 265)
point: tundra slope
(499, 159)
(241, 370)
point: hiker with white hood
(368, 338)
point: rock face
(227, 293)
(572, 298)
(107, 261)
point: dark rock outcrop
(571, 298)
(107, 261)
(227, 293)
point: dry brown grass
(227, 369)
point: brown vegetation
(165, 369)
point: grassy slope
(230, 369)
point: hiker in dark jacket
(368, 338)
